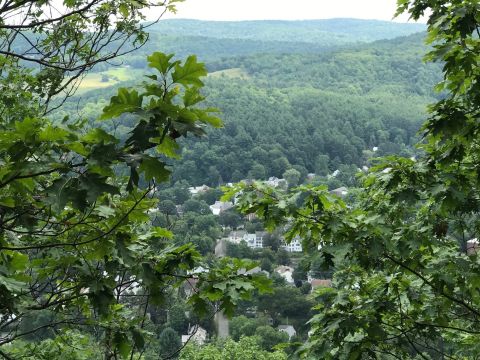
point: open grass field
(113, 76)
(107, 78)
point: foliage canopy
(405, 285)
(77, 247)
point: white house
(320, 283)
(198, 189)
(286, 272)
(473, 246)
(289, 329)
(190, 286)
(276, 182)
(220, 206)
(197, 270)
(341, 191)
(254, 241)
(236, 237)
(255, 270)
(294, 246)
(196, 334)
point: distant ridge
(325, 32)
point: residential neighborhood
(216, 227)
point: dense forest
(296, 190)
(211, 41)
(312, 112)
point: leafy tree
(270, 337)
(266, 265)
(214, 177)
(319, 268)
(204, 244)
(253, 226)
(257, 172)
(283, 257)
(177, 318)
(292, 177)
(273, 241)
(247, 348)
(75, 236)
(285, 302)
(280, 165)
(347, 174)
(181, 193)
(237, 176)
(73, 345)
(210, 196)
(169, 343)
(278, 280)
(66, 39)
(243, 326)
(306, 288)
(230, 218)
(405, 285)
(167, 207)
(301, 270)
(265, 253)
(196, 206)
(321, 165)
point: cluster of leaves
(64, 40)
(247, 348)
(75, 237)
(405, 284)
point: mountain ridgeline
(212, 40)
(315, 96)
(325, 32)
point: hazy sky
(286, 9)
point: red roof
(321, 283)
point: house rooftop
(321, 283)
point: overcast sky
(286, 9)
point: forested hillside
(110, 248)
(213, 40)
(312, 112)
(324, 32)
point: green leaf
(77, 147)
(169, 147)
(161, 62)
(205, 117)
(123, 8)
(162, 233)
(122, 344)
(190, 72)
(126, 101)
(11, 284)
(98, 135)
(18, 261)
(154, 169)
(192, 97)
(7, 202)
(52, 134)
(138, 339)
(96, 185)
(105, 211)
